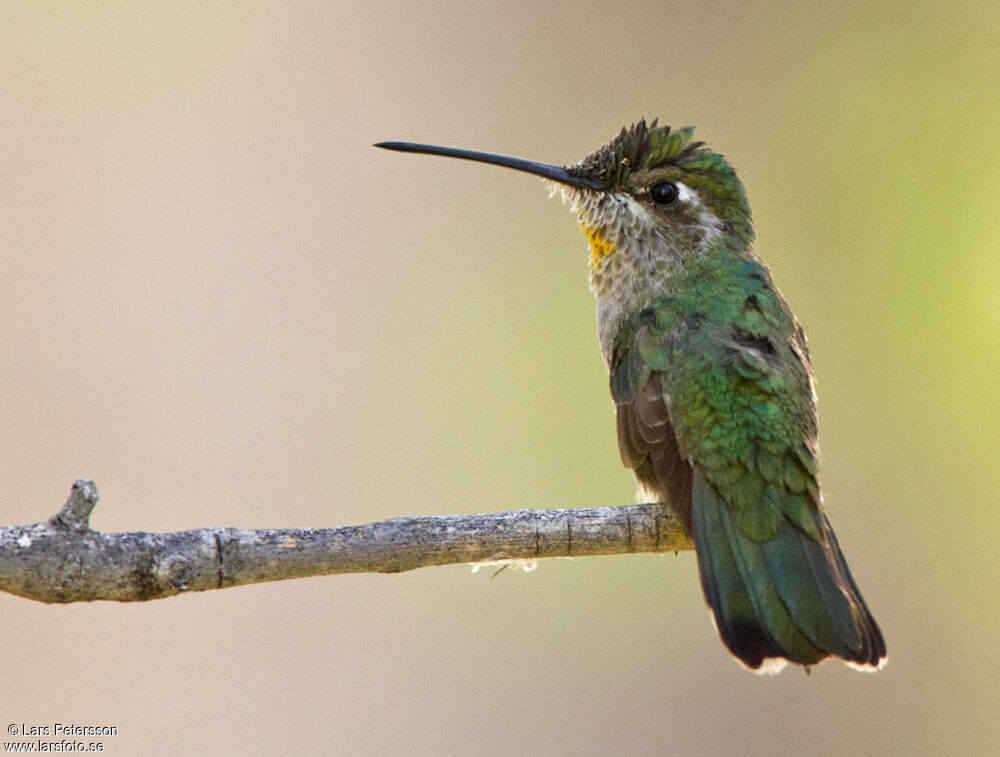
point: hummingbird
(713, 390)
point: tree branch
(63, 560)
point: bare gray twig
(63, 560)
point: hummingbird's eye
(664, 193)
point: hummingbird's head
(646, 200)
(663, 196)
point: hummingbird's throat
(600, 246)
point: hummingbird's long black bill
(545, 170)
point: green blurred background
(219, 302)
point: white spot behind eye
(705, 216)
(685, 194)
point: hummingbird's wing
(718, 420)
(648, 446)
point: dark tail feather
(872, 653)
(786, 599)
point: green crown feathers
(639, 146)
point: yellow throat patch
(600, 246)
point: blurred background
(218, 301)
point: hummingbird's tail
(789, 598)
